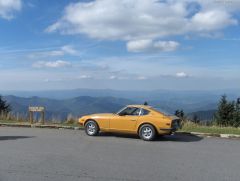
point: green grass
(191, 127)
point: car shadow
(180, 137)
(4, 138)
(177, 137)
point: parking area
(60, 155)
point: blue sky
(127, 44)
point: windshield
(121, 110)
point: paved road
(31, 154)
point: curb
(40, 126)
(212, 135)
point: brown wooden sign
(36, 109)
(40, 109)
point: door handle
(133, 119)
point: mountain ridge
(60, 109)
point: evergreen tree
(225, 113)
(180, 114)
(236, 117)
(4, 106)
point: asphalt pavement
(34, 154)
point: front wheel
(91, 128)
(147, 132)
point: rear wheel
(91, 128)
(147, 132)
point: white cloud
(8, 7)
(84, 77)
(143, 21)
(182, 75)
(212, 20)
(51, 64)
(139, 45)
(64, 50)
(69, 50)
(149, 45)
(112, 77)
(166, 46)
(141, 78)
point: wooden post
(31, 117)
(41, 110)
(43, 117)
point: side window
(136, 112)
(144, 112)
(133, 111)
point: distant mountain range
(60, 103)
(60, 109)
(190, 95)
(203, 115)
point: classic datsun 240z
(142, 120)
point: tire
(147, 132)
(91, 128)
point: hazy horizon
(131, 90)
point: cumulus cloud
(143, 21)
(182, 75)
(51, 64)
(149, 45)
(212, 20)
(9, 7)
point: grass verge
(191, 127)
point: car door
(126, 120)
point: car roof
(150, 108)
(140, 106)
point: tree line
(227, 114)
(4, 107)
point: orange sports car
(143, 120)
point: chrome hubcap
(91, 128)
(147, 132)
